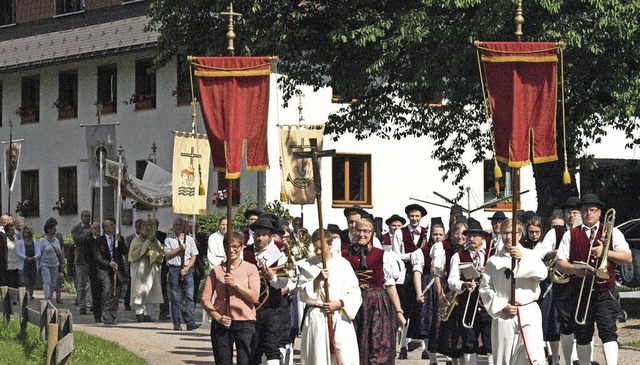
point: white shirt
(171, 243)
(215, 249)
(454, 281)
(547, 244)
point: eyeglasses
(365, 231)
(235, 247)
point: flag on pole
(190, 173)
(100, 138)
(297, 173)
(234, 98)
(11, 161)
(522, 83)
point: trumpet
(600, 269)
(444, 312)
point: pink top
(247, 276)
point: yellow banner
(191, 156)
(297, 174)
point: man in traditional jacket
(394, 223)
(585, 243)
(405, 241)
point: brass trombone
(475, 309)
(601, 267)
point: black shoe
(139, 318)
(147, 319)
(415, 344)
(403, 353)
(425, 355)
(176, 327)
(448, 362)
(97, 320)
(595, 363)
(110, 323)
(83, 310)
(192, 326)
(576, 362)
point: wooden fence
(56, 325)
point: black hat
(455, 210)
(436, 220)
(418, 207)
(368, 216)
(591, 199)
(474, 227)
(520, 215)
(573, 202)
(354, 208)
(461, 219)
(333, 228)
(249, 212)
(528, 215)
(264, 223)
(498, 216)
(275, 221)
(283, 222)
(394, 218)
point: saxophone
(444, 312)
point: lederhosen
(273, 318)
(375, 323)
(406, 291)
(482, 324)
(605, 301)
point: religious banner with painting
(190, 173)
(11, 161)
(297, 173)
(234, 99)
(101, 143)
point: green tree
(389, 58)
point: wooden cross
(191, 156)
(314, 155)
(312, 142)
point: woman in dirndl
(380, 315)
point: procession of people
(456, 295)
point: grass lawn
(89, 350)
(635, 344)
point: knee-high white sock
(610, 350)
(273, 362)
(592, 351)
(555, 354)
(470, 359)
(584, 354)
(574, 354)
(567, 348)
(489, 358)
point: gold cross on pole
(231, 35)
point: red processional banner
(234, 98)
(522, 84)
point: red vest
(427, 259)
(559, 233)
(373, 277)
(409, 246)
(386, 239)
(579, 251)
(345, 242)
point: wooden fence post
(23, 312)
(65, 337)
(6, 303)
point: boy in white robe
(516, 333)
(346, 299)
